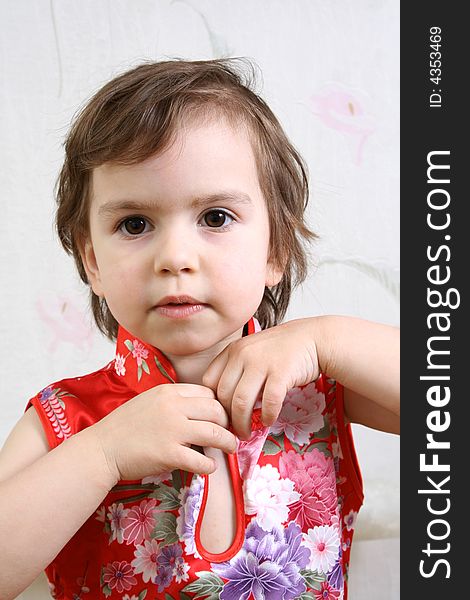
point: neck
(190, 368)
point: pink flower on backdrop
(65, 320)
(139, 522)
(345, 109)
(314, 478)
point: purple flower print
(164, 577)
(267, 566)
(335, 576)
(169, 555)
(46, 394)
(190, 499)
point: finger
(274, 393)
(193, 461)
(192, 389)
(246, 393)
(202, 433)
(222, 376)
(214, 370)
(205, 409)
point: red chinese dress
(297, 489)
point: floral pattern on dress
(267, 495)
(140, 353)
(53, 403)
(293, 542)
(300, 509)
(301, 414)
(314, 478)
(268, 566)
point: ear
(273, 274)
(90, 264)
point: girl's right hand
(153, 432)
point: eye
(133, 225)
(215, 218)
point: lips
(175, 300)
(179, 307)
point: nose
(176, 250)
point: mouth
(179, 300)
(179, 307)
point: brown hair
(139, 113)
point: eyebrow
(113, 207)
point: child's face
(148, 241)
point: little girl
(212, 457)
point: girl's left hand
(264, 365)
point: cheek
(123, 280)
(243, 269)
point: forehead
(202, 159)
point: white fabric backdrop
(330, 74)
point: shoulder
(70, 386)
(69, 405)
(26, 443)
(45, 421)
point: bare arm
(44, 498)
(364, 357)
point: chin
(183, 348)
(186, 343)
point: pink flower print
(139, 522)
(54, 405)
(119, 576)
(332, 420)
(314, 478)
(248, 452)
(268, 496)
(336, 449)
(145, 560)
(326, 592)
(119, 364)
(139, 352)
(116, 516)
(301, 414)
(157, 479)
(323, 543)
(350, 519)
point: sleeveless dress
(297, 488)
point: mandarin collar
(142, 366)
